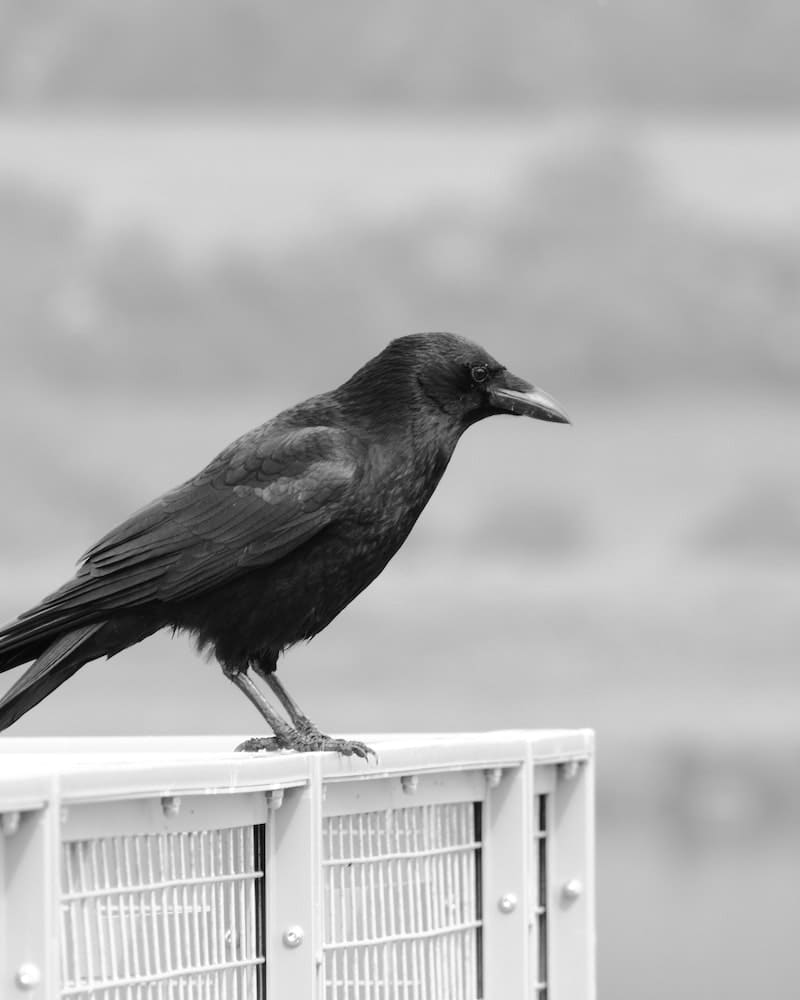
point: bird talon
(350, 748)
(307, 742)
(256, 743)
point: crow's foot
(256, 743)
(307, 741)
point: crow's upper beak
(515, 395)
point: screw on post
(507, 902)
(28, 976)
(293, 936)
(572, 890)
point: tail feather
(56, 664)
(21, 642)
(79, 603)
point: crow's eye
(480, 373)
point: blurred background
(210, 211)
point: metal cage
(162, 914)
(402, 903)
(456, 868)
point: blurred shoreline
(256, 181)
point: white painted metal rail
(456, 867)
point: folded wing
(268, 493)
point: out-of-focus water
(270, 180)
(677, 923)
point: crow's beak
(515, 395)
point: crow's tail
(56, 664)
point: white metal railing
(456, 867)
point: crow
(270, 541)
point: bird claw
(346, 748)
(256, 743)
(309, 741)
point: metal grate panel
(402, 906)
(167, 916)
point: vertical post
(572, 903)
(30, 945)
(507, 906)
(293, 941)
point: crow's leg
(300, 720)
(308, 736)
(284, 734)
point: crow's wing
(266, 494)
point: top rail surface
(99, 767)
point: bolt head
(293, 936)
(507, 902)
(28, 976)
(572, 890)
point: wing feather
(265, 495)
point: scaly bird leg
(300, 720)
(308, 736)
(284, 734)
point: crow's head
(462, 380)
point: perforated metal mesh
(170, 916)
(402, 904)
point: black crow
(278, 533)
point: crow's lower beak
(515, 395)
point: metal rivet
(9, 823)
(494, 775)
(170, 805)
(569, 769)
(293, 936)
(28, 976)
(409, 783)
(507, 902)
(572, 890)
